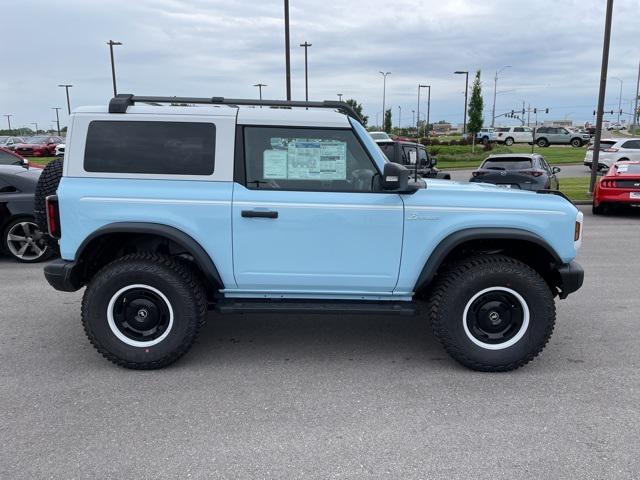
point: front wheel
(508, 142)
(542, 142)
(492, 312)
(144, 311)
(576, 143)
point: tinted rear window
(507, 164)
(161, 148)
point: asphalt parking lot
(321, 397)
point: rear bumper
(615, 195)
(571, 278)
(63, 275)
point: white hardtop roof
(246, 115)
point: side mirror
(395, 178)
(556, 169)
(25, 163)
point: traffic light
(535, 110)
(512, 113)
(620, 111)
(594, 112)
(523, 111)
(546, 110)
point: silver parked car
(545, 136)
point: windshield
(37, 139)
(4, 139)
(507, 164)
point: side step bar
(232, 305)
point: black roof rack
(122, 101)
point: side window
(544, 164)
(422, 156)
(408, 155)
(306, 159)
(388, 150)
(518, 129)
(161, 148)
(632, 144)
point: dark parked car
(526, 172)
(39, 146)
(21, 238)
(404, 153)
(7, 157)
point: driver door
(308, 218)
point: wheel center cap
(143, 313)
(494, 317)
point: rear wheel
(492, 312)
(599, 209)
(25, 242)
(576, 142)
(144, 311)
(542, 142)
(508, 142)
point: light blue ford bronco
(169, 207)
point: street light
(111, 43)
(260, 85)
(495, 88)
(466, 91)
(384, 91)
(57, 117)
(287, 48)
(340, 97)
(635, 109)
(619, 97)
(306, 46)
(413, 117)
(399, 116)
(36, 124)
(428, 107)
(66, 87)
(9, 121)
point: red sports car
(619, 186)
(39, 146)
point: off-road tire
(179, 284)
(457, 286)
(47, 185)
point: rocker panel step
(229, 305)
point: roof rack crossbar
(121, 102)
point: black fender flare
(449, 243)
(201, 257)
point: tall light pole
(399, 116)
(384, 91)
(260, 85)
(287, 49)
(466, 91)
(111, 44)
(57, 117)
(619, 97)
(306, 46)
(635, 109)
(413, 117)
(495, 92)
(601, 94)
(9, 121)
(67, 87)
(340, 97)
(36, 124)
(418, 121)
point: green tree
(387, 121)
(358, 108)
(476, 108)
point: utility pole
(57, 117)
(287, 48)
(495, 92)
(111, 44)
(426, 134)
(413, 117)
(384, 91)
(66, 87)
(418, 122)
(601, 94)
(619, 97)
(9, 121)
(635, 110)
(260, 85)
(306, 45)
(36, 124)
(466, 92)
(399, 116)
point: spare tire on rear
(47, 185)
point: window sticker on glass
(275, 164)
(412, 157)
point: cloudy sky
(223, 47)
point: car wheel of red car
(598, 209)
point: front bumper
(571, 278)
(63, 275)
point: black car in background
(20, 237)
(405, 153)
(526, 172)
